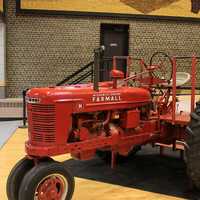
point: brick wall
(41, 50)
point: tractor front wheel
(193, 153)
(15, 177)
(48, 180)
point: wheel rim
(52, 187)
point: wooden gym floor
(146, 176)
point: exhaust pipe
(97, 58)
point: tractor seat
(181, 78)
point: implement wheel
(15, 177)
(45, 181)
(193, 153)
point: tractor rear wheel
(15, 177)
(193, 153)
(48, 180)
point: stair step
(11, 102)
(11, 108)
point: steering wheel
(164, 71)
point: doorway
(115, 38)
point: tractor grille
(42, 123)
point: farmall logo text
(106, 97)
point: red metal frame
(174, 87)
(128, 63)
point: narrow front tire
(49, 180)
(15, 177)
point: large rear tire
(193, 153)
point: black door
(115, 39)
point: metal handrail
(83, 77)
(90, 64)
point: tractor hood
(85, 95)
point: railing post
(24, 109)
(174, 90)
(128, 63)
(193, 80)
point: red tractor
(117, 116)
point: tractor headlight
(33, 100)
